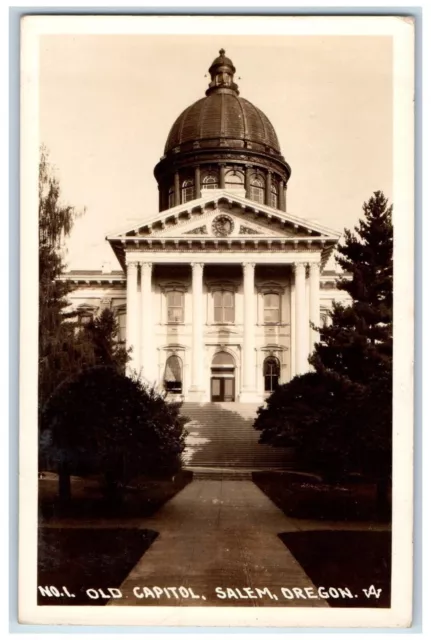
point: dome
(222, 141)
(223, 115)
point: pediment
(224, 216)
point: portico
(268, 318)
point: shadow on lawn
(141, 499)
(75, 559)
(355, 560)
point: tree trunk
(64, 488)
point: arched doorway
(271, 373)
(223, 378)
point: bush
(103, 422)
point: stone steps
(221, 436)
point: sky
(107, 103)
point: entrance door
(222, 389)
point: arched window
(274, 195)
(234, 180)
(271, 373)
(175, 303)
(171, 197)
(271, 308)
(210, 181)
(224, 307)
(187, 191)
(257, 189)
(173, 380)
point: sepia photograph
(218, 332)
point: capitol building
(217, 291)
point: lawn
(306, 496)
(80, 559)
(347, 559)
(140, 499)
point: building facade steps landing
(221, 436)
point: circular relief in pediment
(222, 226)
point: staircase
(222, 441)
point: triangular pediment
(225, 215)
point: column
(197, 182)
(248, 170)
(302, 340)
(268, 188)
(221, 179)
(177, 188)
(248, 392)
(314, 302)
(197, 383)
(132, 316)
(281, 204)
(147, 341)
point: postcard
(217, 312)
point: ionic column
(197, 182)
(281, 204)
(132, 336)
(221, 176)
(177, 188)
(268, 188)
(301, 323)
(196, 388)
(248, 392)
(248, 171)
(314, 303)
(147, 342)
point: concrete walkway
(217, 534)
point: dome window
(257, 189)
(234, 180)
(210, 181)
(187, 191)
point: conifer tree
(357, 342)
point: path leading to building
(217, 534)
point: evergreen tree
(339, 418)
(102, 334)
(357, 342)
(58, 356)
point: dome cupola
(222, 141)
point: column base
(249, 395)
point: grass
(352, 559)
(79, 559)
(141, 499)
(306, 496)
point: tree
(357, 342)
(104, 422)
(102, 333)
(57, 353)
(340, 416)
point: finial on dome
(222, 74)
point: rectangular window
(122, 327)
(175, 301)
(271, 312)
(224, 307)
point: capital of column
(197, 266)
(314, 268)
(146, 267)
(248, 265)
(133, 264)
(299, 267)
